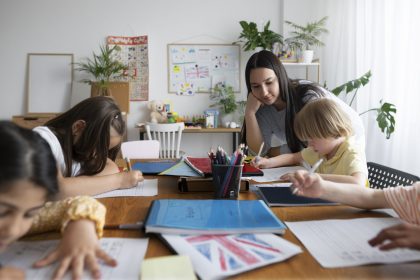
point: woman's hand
(399, 236)
(306, 184)
(130, 179)
(252, 104)
(10, 272)
(78, 247)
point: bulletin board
(202, 66)
(49, 82)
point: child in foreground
(328, 132)
(404, 200)
(29, 179)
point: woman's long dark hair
(92, 149)
(25, 155)
(292, 92)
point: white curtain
(382, 36)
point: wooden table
(133, 209)
(234, 131)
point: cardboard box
(120, 91)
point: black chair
(381, 176)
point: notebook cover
(153, 167)
(211, 216)
(250, 170)
(283, 196)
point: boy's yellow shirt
(347, 160)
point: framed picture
(202, 66)
(49, 82)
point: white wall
(80, 26)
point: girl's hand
(261, 162)
(399, 236)
(9, 272)
(130, 179)
(252, 104)
(79, 246)
(307, 185)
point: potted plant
(253, 39)
(223, 97)
(107, 73)
(303, 37)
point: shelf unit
(314, 63)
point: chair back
(141, 149)
(169, 136)
(381, 176)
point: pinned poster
(186, 89)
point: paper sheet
(129, 253)
(168, 268)
(217, 257)
(144, 188)
(274, 174)
(343, 243)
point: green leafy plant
(303, 37)
(103, 66)
(385, 112)
(224, 97)
(252, 38)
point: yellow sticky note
(168, 268)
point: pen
(127, 161)
(311, 171)
(257, 158)
(138, 225)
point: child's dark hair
(25, 155)
(92, 149)
(294, 93)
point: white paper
(274, 174)
(128, 252)
(144, 188)
(343, 243)
(216, 257)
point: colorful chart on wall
(202, 66)
(134, 53)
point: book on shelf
(282, 196)
(211, 216)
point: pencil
(311, 171)
(127, 161)
(257, 158)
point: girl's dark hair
(92, 149)
(292, 92)
(25, 155)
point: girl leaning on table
(28, 179)
(327, 130)
(85, 141)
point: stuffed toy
(157, 111)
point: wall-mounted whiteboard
(49, 85)
(203, 66)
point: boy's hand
(399, 236)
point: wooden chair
(141, 149)
(169, 136)
(381, 176)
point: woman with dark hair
(85, 141)
(274, 100)
(28, 179)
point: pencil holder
(226, 180)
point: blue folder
(153, 167)
(211, 216)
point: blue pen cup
(226, 180)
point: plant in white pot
(304, 37)
(223, 97)
(254, 39)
